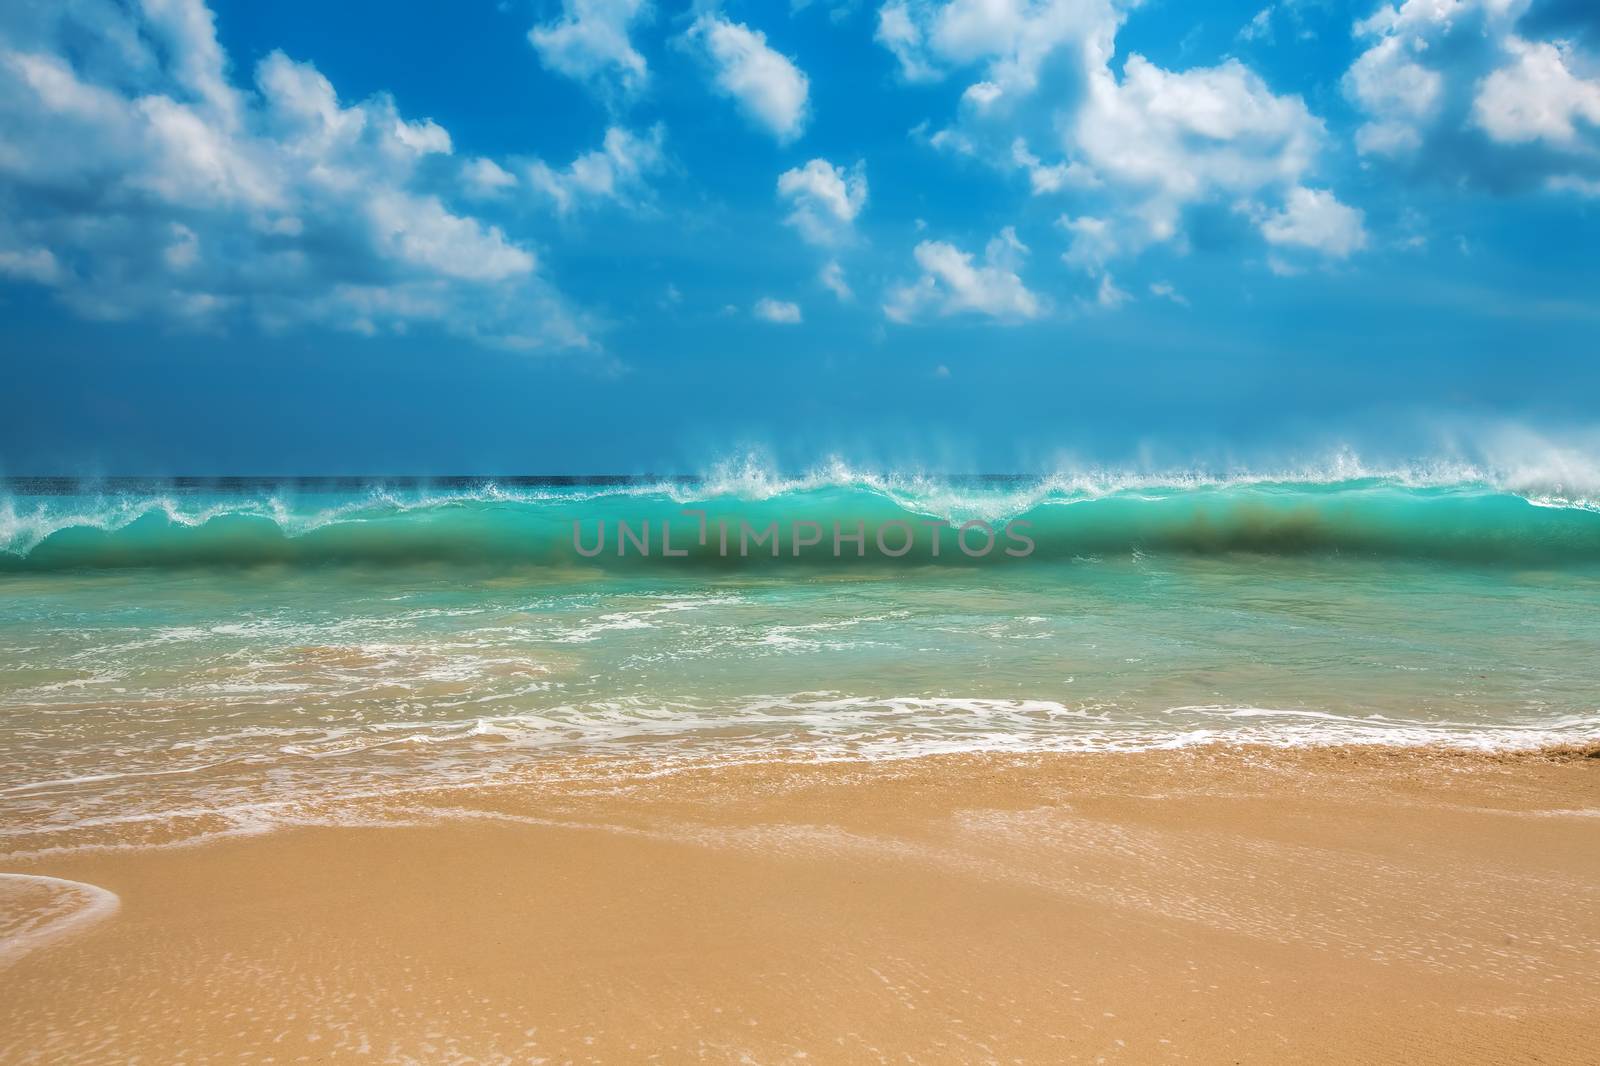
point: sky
(570, 236)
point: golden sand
(1209, 906)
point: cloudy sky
(583, 235)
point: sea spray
(1419, 514)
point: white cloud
(421, 231)
(899, 32)
(30, 264)
(1139, 146)
(1258, 28)
(1386, 80)
(1315, 219)
(485, 177)
(1093, 241)
(1536, 97)
(825, 199)
(768, 87)
(1108, 296)
(952, 282)
(1456, 87)
(139, 180)
(1013, 40)
(186, 30)
(832, 278)
(423, 137)
(615, 171)
(1172, 139)
(780, 311)
(186, 158)
(1055, 177)
(590, 42)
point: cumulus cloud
(954, 282)
(1054, 177)
(781, 312)
(1315, 219)
(613, 172)
(1398, 91)
(484, 177)
(136, 178)
(768, 87)
(30, 264)
(1467, 89)
(1185, 136)
(1163, 141)
(1014, 41)
(824, 199)
(1139, 146)
(422, 232)
(590, 42)
(1536, 96)
(901, 33)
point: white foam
(1547, 473)
(74, 906)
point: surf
(54, 525)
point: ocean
(182, 658)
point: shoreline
(1246, 904)
(556, 769)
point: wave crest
(1534, 512)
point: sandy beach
(1215, 905)
(915, 532)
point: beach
(1222, 904)
(912, 532)
(1262, 770)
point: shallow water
(186, 661)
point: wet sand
(1201, 906)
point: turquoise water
(185, 657)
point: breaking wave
(1438, 512)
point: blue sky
(603, 235)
